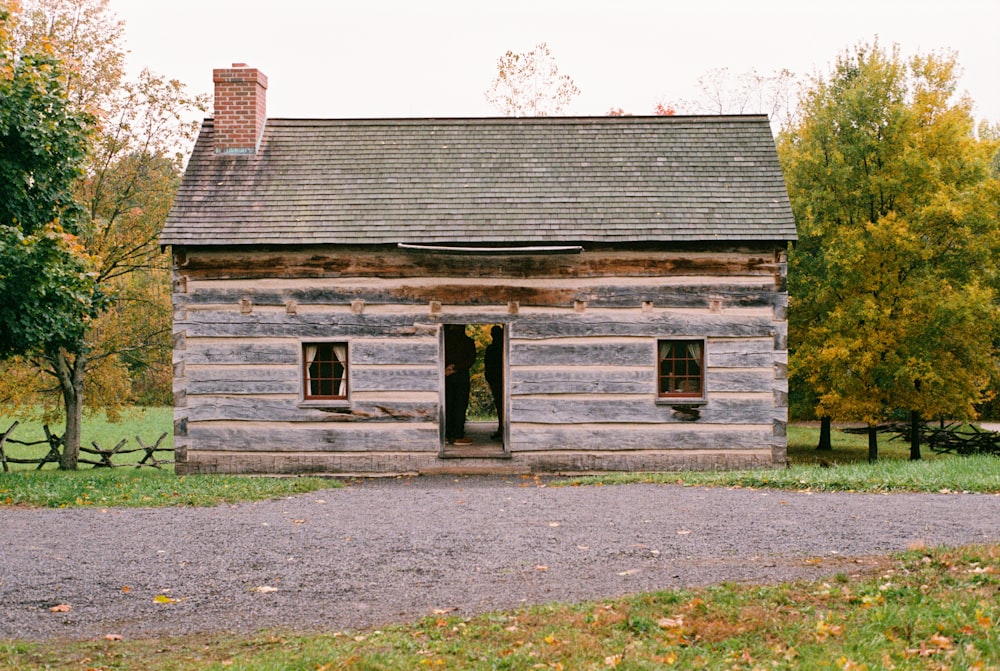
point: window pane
(681, 368)
(325, 370)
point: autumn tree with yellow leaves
(893, 282)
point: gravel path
(381, 551)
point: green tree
(893, 280)
(529, 84)
(48, 289)
(132, 170)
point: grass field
(147, 423)
(131, 487)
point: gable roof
(492, 181)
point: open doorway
(474, 398)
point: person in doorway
(459, 355)
(493, 363)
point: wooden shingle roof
(494, 181)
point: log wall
(581, 358)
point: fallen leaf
(113, 637)
(553, 524)
(264, 589)
(61, 608)
(444, 611)
(126, 589)
(942, 642)
(631, 571)
(163, 598)
(670, 622)
(681, 532)
(298, 521)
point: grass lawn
(845, 468)
(146, 423)
(145, 487)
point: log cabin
(636, 264)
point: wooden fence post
(3, 439)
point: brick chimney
(240, 109)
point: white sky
(422, 58)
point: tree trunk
(825, 443)
(872, 443)
(70, 371)
(914, 435)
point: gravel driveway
(380, 551)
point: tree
(529, 84)
(48, 289)
(133, 167)
(892, 282)
(661, 109)
(750, 92)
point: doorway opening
(480, 431)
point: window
(681, 369)
(325, 370)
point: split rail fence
(103, 458)
(963, 439)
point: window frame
(307, 399)
(682, 398)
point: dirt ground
(380, 551)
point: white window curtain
(694, 351)
(311, 351)
(340, 352)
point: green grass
(128, 487)
(951, 474)
(845, 468)
(146, 423)
(927, 609)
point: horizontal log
(571, 409)
(742, 380)
(582, 380)
(279, 409)
(256, 379)
(598, 437)
(740, 353)
(394, 378)
(665, 324)
(319, 261)
(552, 461)
(325, 326)
(266, 437)
(610, 294)
(238, 351)
(531, 325)
(574, 461)
(623, 352)
(637, 351)
(394, 351)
